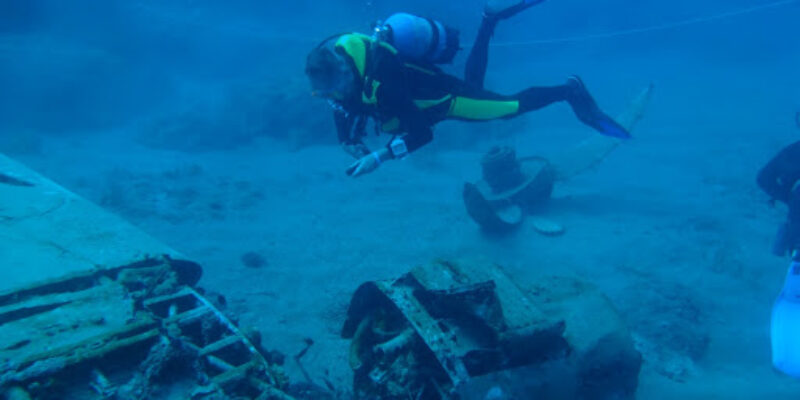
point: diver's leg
(792, 227)
(538, 97)
(502, 9)
(473, 104)
(475, 70)
(583, 105)
(478, 59)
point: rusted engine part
(450, 330)
(429, 332)
(135, 332)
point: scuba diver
(391, 77)
(780, 179)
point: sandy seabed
(671, 227)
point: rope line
(661, 27)
(259, 32)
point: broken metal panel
(134, 333)
(607, 362)
(77, 312)
(495, 326)
(92, 308)
(48, 232)
(518, 312)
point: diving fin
(785, 325)
(589, 113)
(595, 148)
(502, 9)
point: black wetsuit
(411, 97)
(780, 178)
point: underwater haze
(194, 120)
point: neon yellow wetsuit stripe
(482, 110)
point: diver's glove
(356, 150)
(369, 162)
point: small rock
(252, 259)
(495, 393)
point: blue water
(187, 116)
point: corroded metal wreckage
(92, 308)
(467, 331)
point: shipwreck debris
(92, 308)
(133, 332)
(467, 331)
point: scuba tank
(419, 39)
(785, 324)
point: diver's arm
(416, 137)
(369, 162)
(419, 133)
(779, 176)
(351, 142)
(397, 101)
(414, 123)
(768, 180)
